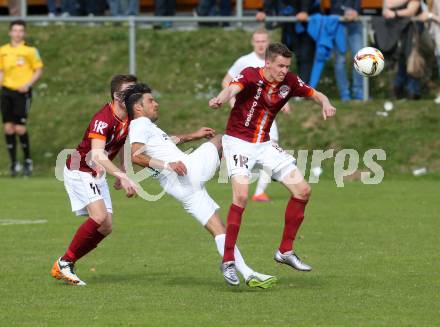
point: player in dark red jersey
(260, 94)
(85, 182)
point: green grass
(374, 250)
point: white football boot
(63, 270)
(230, 273)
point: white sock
(242, 267)
(262, 183)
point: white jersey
(249, 60)
(201, 165)
(252, 60)
(158, 144)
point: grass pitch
(374, 250)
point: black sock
(11, 144)
(24, 140)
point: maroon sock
(232, 229)
(85, 240)
(293, 218)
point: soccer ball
(368, 61)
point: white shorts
(273, 133)
(84, 189)
(190, 189)
(241, 157)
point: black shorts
(15, 106)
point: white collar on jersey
(146, 120)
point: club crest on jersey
(284, 91)
(237, 78)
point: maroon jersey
(106, 126)
(259, 101)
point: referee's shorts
(15, 106)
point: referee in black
(20, 67)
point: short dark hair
(118, 80)
(17, 22)
(132, 95)
(277, 49)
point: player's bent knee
(240, 200)
(9, 129)
(100, 218)
(305, 192)
(20, 129)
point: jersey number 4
(240, 160)
(95, 188)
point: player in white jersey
(260, 41)
(182, 175)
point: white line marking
(7, 222)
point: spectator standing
(209, 8)
(52, 8)
(295, 35)
(14, 7)
(115, 7)
(68, 7)
(91, 8)
(398, 10)
(130, 7)
(432, 17)
(123, 7)
(165, 8)
(349, 9)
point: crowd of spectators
(400, 32)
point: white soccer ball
(368, 61)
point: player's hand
(127, 184)
(204, 132)
(117, 185)
(302, 16)
(260, 16)
(350, 15)
(178, 167)
(328, 111)
(215, 103)
(23, 89)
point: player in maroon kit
(85, 183)
(260, 94)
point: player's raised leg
(300, 193)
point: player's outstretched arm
(101, 159)
(139, 158)
(327, 109)
(204, 132)
(224, 96)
